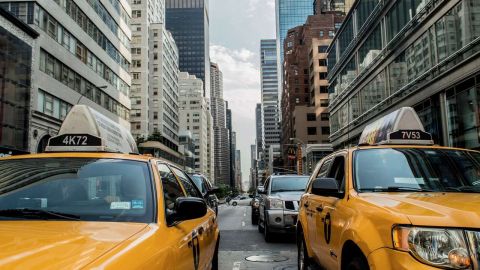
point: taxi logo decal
(327, 228)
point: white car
(241, 200)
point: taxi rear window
(84, 189)
(416, 169)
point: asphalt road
(240, 239)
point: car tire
(266, 233)
(234, 203)
(303, 259)
(215, 257)
(254, 220)
(358, 262)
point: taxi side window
(322, 173)
(337, 171)
(171, 188)
(190, 188)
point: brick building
(302, 99)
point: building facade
(221, 133)
(238, 170)
(188, 20)
(422, 54)
(17, 43)
(82, 56)
(305, 99)
(269, 95)
(232, 137)
(195, 118)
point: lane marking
(243, 223)
(236, 266)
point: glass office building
(188, 21)
(289, 14)
(418, 53)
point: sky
(236, 28)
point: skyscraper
(155, 75)
(195, 117)
(221, 133)
(269, 83)
(188, 20)
(289, 14)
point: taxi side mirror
(188, 209)
(326, 187)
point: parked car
(255, 203)
(207, 190)
(278, 207)
(241, 200)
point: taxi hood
(59, 244)
(431, 209)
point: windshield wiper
(470, 189)
(37, 214)
(396, 189)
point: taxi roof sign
(399, 127)
(86, 130)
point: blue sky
(236, 28)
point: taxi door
(183, 234)
(329, 220)
(203, 234)
(311, 204)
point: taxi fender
(370, 228)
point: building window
(136, 13)
(370, 49)
(155, 115)
(322, 49)
(323, 75)
(323, 89)
(324, 116)
(325, 130)
(321, 33)
(136, 75)
(311, 130)
(137, 63)
(331, 34)
(52, 106)
(322, 62)
(323, 102)
(311, 117)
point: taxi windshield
(75, 189)
(416, 169)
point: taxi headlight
(275, 204)
(437, 247)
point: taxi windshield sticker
(120, 205)
(137, 204)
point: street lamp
(300, 143)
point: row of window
(109, 20)
(396, 19)
(64, 74)
(313, 117)
(51, 105)
(56, 31)
(441, 40)
(93, 31)
(313, 131)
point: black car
(255, 206)
(207, 189)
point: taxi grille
(291, 205)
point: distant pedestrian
(228, 199)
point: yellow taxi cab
(91, 202)
(396, 201)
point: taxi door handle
(320, 209)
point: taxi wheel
(358, 263)
(303, 258)
(234, 203)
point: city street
(240, 240)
